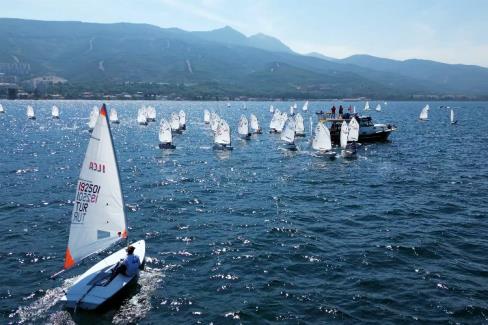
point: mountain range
(221, 62)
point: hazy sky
(453, 31)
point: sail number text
(86, 194)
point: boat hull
(167, 146)
(290, 146)
(300, 135)
(222, 147)
(325, 154)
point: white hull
(91, 289)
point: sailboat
(243, 128)
(175, 123)
(254, 123)
(271, 109)
(142, 116)
(275, 121)
(424, 114)
(228, 104)
(350, 150)
(378, 108)
(2, 110)
(165, 135)
(366, 106)
(93, 119)
(182, 116)
(453, 121)
(98, 222)
(305, 106)
(206, 116)
(281, 122)
(114, 117)
(214, 121)
(222, 139)
(30, 113)
(288, 134)
(55, 112)
(292, 110)
(150, 113)
(322, 142)
(299, 127)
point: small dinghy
(98, 222)
(424, 114)
(299, 127)
(453, 121)
(288, 134)
(175, 123)
(254, 123)
(243, 128)
(30, 113)
(142, 116)
(366, 106)
(2, 110)
(271, 109)
(322, 143)
(214, 121)
(281, 122)
(378, 108)
(275, 121)
(182, 116)
(206, 116)
(114, 117)
(222, 139)
(305, 106)
(55, 112)
(93, 119)
(150, 114)
(228, 104)
(350, 147)
(165, 135)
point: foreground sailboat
(114, 117)
(288, 134)
(98, 221)
(243, 128)
(350, 147)
(453, 121)
(299, 127)
(222, 139)
(30, 113)
(322, 143)
(424, 114)
(165, 135)
(55, 112)
(254, 123)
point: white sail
(292, 110)
(378, 108)
(93, 118)
(114, 117)
(214, 121)
(282, 121)
(254, 123)
(55, 112)
(182, 116)
(271, 109)
(142, 116)
(366, 106)
(2, 110)
(206, 116)
(452, 116)
(424, 114)
(165, 135)
(228, 104)
(98, 219)
(222, 135)
(243, 128)
(288, 134)
(150, 113)
(353, 130)
(275, 120)
(354, 110)
(344, 133)
(30, 112)
(175, 121)
(321, 140)
(299, 127)
(305, 106)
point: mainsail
(113, 115)
(282, 121)
(206, 116)
(98, 219)
(288, 134)
(30, 112)
(243, 128)
(353, 130)
(321, 141)
(175, 121)
(299, 127)
(55, 112)
(254, 123)
(165, 135)
(424, 114)
(93, 118)
(366, 106)
(222, 134)
(344, 133)
(182, 116)
(305, 106)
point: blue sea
(259, 234)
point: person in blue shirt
(129, 266)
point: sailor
(341, 110)
(128, 266)
(333, 109)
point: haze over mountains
(217, 63)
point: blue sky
(453, 31)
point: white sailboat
(165, 135)
(288, 134)
(243, 128)
(30, 113)
(254, 123)
(222, 140)
(228, 104)
(453, 120)
(292, 110)
(150, 112)
(214, 121)
(322, 142)
(175, 123)
(366, 106)
(271, 109)
(206, 116)
(182, 116)
(305, 106)
(378, 108)
(275, 122)
(98, 221)
(299, 127)
(350, 150)
(424, 114)
(142, 116)
(55, 112)
(2, 110)
(114, 117)
(93, 118)
(344, 134)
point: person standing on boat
(333, 110)
(341, 110)
(128, 266)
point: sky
(451, 31)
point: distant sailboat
(254, 123)
(93, 118)
(275, 122)
(55, 112)
(344, 134)
(228, 104)
(30, 113)
(206, 116)
(165, 135)
(214, 121)
(366, 106)
(322, 142)
(424, 114)
(222, 140)
(182, 116)
(305, 106)
(150, 112)
(271, 109)
(292, 110)
(114, 117)
(2, 110)
(378, 108)
(453, 121)
(243, 129)
(281, 122)
(350, 150)
(142, 116)
(175, 123)
(288, 134)
(98, 222)
(299, 127)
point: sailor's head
(130, 249)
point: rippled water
(257, 234)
